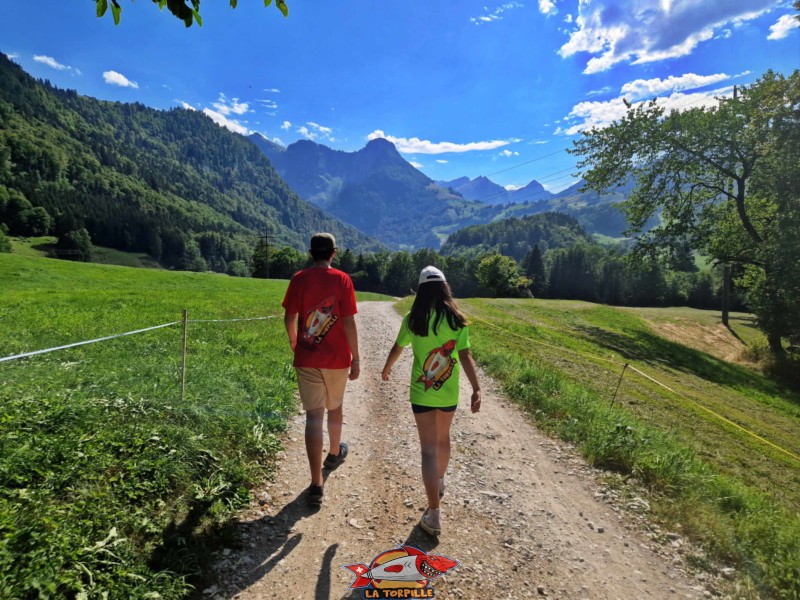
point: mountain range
(483, 189)
(195, 195)
(170, 183)
(374, 189)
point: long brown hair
(434, 296)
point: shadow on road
(273, 541)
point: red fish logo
(319, 321)
(438, 366)
(404, 567)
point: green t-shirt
(434, 376)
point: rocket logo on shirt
(438, 366)
(319, 321)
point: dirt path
(523, 514)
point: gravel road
(523, 513)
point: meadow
(718, 452)
(109, 482)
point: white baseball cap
(431, 273)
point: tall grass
(725, 489)
(109, 482)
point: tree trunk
(775, 344)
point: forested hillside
(171, 183)
(516, 237)
(597, 213)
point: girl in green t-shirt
(439, 337)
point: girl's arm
(394, 354)
(467, 362)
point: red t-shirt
(321, 298)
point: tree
(533, 267)
(286, 262)
(347, 261)
(500, 274)
(726, 182)
(400, 274)
(75, 245)
(5, 243)
(188, 12)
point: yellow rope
(594, 356)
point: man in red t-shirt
(320, 308)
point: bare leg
(426, 427)
(443, 422)
(314, 443)
(434, 438)
(335, 418)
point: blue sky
(462, 88)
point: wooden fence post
(183, 353)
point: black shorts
(416, 408)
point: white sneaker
(431, 521)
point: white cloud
(547, 7)
(50, 62)
(646, 88)
(492, 15)
(512, 187)
(224, 121)
(508, 153)
(591, 115)
(600, 92)
(268, 104)
(418, 146)
(286, 125)
(568, 19)
(186, 105)
(114, 78)
(272, 90)
(783, 27)
(321, 128)
(441, 161)
(416, 165)
(307, 133)
(12, 55)
(315, 130)
(234, 106)
(278, 141)
(642, 31)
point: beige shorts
(321, 388)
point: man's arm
(350, 332)
(290, 322)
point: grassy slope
(738, 496)
(99, 454)
(39, 246)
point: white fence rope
(108, 337)
(118, 335)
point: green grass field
(108, 480)
(704, 452)
(39, 246)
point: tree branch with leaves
(187, 11)
(725, 180)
